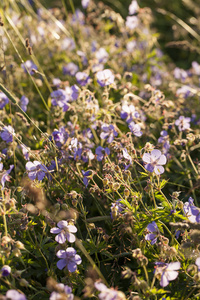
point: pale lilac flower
(59, 97)
(24, 102)
(196, 67)
(85, 3)
(7, 134)
(70, 69)
(105, 77)
(135, 129)
(128, 112)
(184, 91)
(3, 100)
(197, 262)
(5, 270)
(191, 211)
(132, 22)
(15, 295)
(63, 289)
(25, 151)
(30, 66)
(108, 133)
(35, 170)
(108, 294)
(180, 74)
(168, 272)
(154, 161)
(130, 47)
(126, 155)
(82, 78)
(69, 258)
(5, 177)
(102, 55)
(154, 232)
(64, 232)
(83, 57)
(56, 82)
(78, 17)
(101, 152)
(68, 44)
(183, 123)
(133, 7)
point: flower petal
(55, 230)
(72, 266)
(60, 238)
(70, 237)
(61, 264)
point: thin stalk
(4, 215)
(84, 251)
(35, 85)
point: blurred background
(177, 23)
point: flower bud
(23, 282)
(126, 193)
(116, 186)
(5, 270)
(19, 245)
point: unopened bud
(23, 282)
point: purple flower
(154, 161)
(130, 47)
(108, 133)
(153, 228)
(35, 170)
(133, 7)
(168, 272)
(191, 211)
(64, 231)
(82, 78)
(59, 98)
(135, 129)
(25, 151)
(102, 55)
(70, 69)
(5, 270)
(86, 175)
(126, 155)
(3, 100)
(5, 177)
(7, 134)
(68, 44)
(85, 3)
(197, 262)
(24, 102)
(180, 74)
(128, 112)
(101, 152)
(116, 209)
(184, 91)
(15, 295)
(75, 92)
(30, 66)
(105, 77)
(78, 17)
(196, 67)
(183, 123)
(108, 294)
(63, 289)
(69, 258)
(132, 22)
(60, 136)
